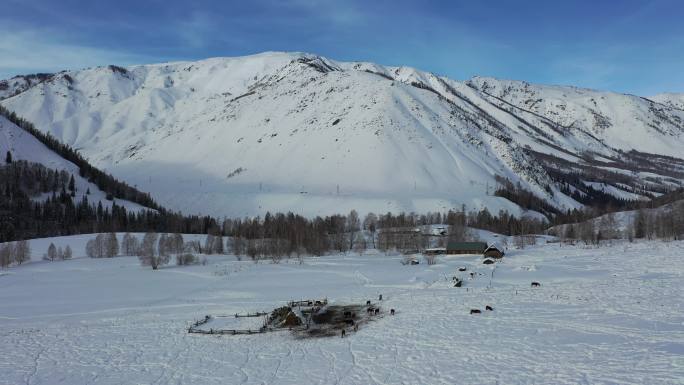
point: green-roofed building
(466, 247)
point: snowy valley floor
(612, 315)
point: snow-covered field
(612, 315)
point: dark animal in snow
(391, 311)
(489, 308)
(475, 311)
(536, 284)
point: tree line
(38, 202)
(105, 182)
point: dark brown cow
(489, 308)
(475, 311)
(536, 284)
(391, 311)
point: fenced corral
(234, 324)
(308, 303)
(257, 314)
(304, 318)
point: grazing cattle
(368, 303)
(380, 297)
(489, 308)
(377, 311)
(309, 303)
(458, 283)
(475, 311)
(343, 333)
(370, 310)
(461, 269)
(391, 311)
(536, 284)
(319, 303)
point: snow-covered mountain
(299, 132)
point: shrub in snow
(186, 259)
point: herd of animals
(372, 310)
(458, 282)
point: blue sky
(628, 46)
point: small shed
(466, 247)
(494, 251)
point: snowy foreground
(602, 316)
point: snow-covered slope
(293, 131)
(670, 99)
(24, 146)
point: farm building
(466, 247)
(435, 251)
(494, 251)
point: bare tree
(68, 253)
(163, 248)
(22, 252)
(111, 245)
(98, 247)
(238, 247)
(176, 244)
(5, 255)
(370, 223)
(353, 225)
(52, 252)
(209, 244)
(360, 244)
(147, 251)
(218, 244)
(90, 249)
(129, 244)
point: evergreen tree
(72, 185)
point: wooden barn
(466, 247)
(494, 251)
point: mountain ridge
(280, 131)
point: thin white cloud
(24, 50)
